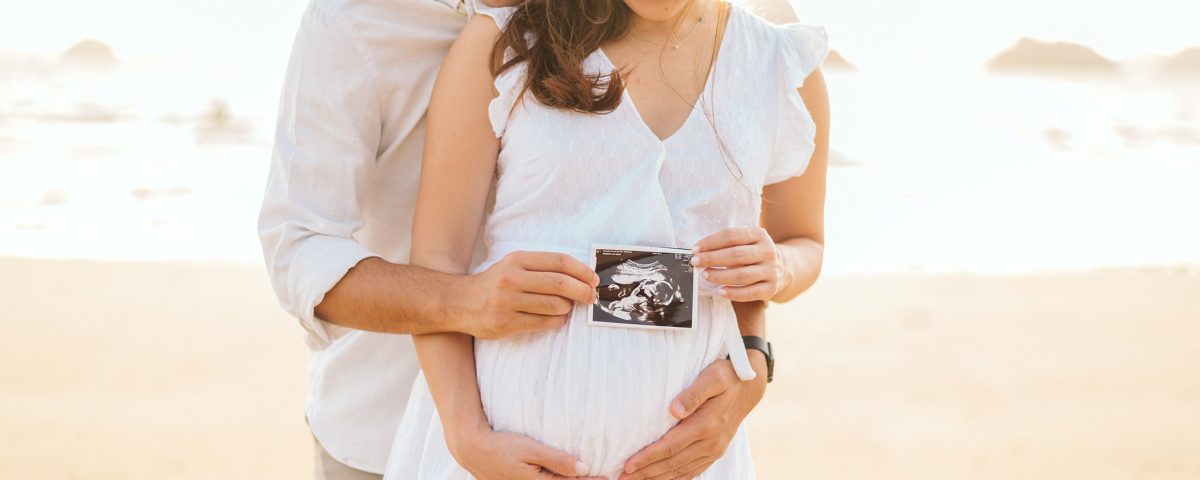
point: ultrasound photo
(643, 287)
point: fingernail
(580, 468)
(707, 274)
(696, 249)
(695, 260)
(722, 292)
(678, 410)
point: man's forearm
(380, 296)
(751, 318)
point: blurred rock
(835, 61)
(1186, 62)
(219, 125)
(91, 54)
(1033, 56)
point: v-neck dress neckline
(628, 103)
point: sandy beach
(191, 371)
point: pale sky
(871, 33)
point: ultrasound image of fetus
(642, 292)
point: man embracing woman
(551, 127)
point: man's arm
(327, 133)
(710, 412)
(327, 137)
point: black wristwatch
(762, 345)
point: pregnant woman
(665, 123)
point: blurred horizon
(938, 164)
(945, 32)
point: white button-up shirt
(342, 187)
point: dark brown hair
(555, 36)
(563, 34)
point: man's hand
(523, 292)
(489, 455)
(710, 412)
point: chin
(657, 10)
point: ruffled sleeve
(507, 83)
(802, 49)
(499, 14)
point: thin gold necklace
(676, 45)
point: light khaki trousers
(329, 468)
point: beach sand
(191, 371)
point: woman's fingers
(731, 237)
(560, 463)
(732, 256)
(737, 277)
(748, 293)
(744, 261)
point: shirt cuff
(327, 259)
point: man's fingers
(695, 472)
(538, 304)
(555, 461)
(527, 322)
(673, 442)
(715, 379)
(557, 262)
(734, 256)
(558, 284)
(739, 276)
(698, 458)
(548, 475)
(730, 237)
(673, 466)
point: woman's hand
(744, 262)
(489, 455)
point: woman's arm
(783, 258)
(793, 211)
(457, 173)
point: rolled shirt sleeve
(326, 140)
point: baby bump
(600, 393)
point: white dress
(567, 180)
